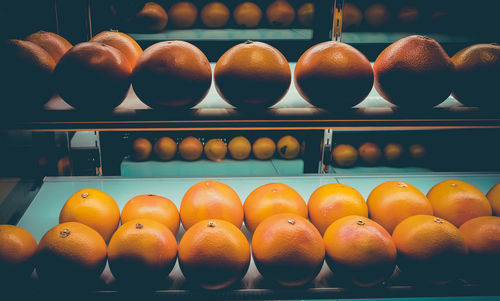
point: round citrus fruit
(53, 43)
(122, 42)
(152, 207)
(263, 148)
(288, 249)
(271, 199)
(288, 147)
(165, 148)
(360, 249)
(70, 253)
(331, 202)
(190, 148)
(17, 250)
(458, 201)
(351, 16)
(370, 153)
(183, 14)
(392, 202)
(151, 18)
(142, 249)
(93, 76)
(377, 15)
(215, 14)
(172, 74)
(305, 14)
(417, 151)
(214, 254)
(280, 13)
(429, 248)
(252, 76)
(247, 14)
(141, 149)
(345, 155)
(493, 196)
(239, 148)
(393, 152)
(93, 208)
(215, 150)
(211, 200)
(414, 72)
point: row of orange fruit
(191, 148)
(412, 73)
(419, 233)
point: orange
(482, 236)
(247, 14)
(288, 147)
(239, 148)
(377, 15)
(263, 148)
(417, 151)
(288, 249)
(370, 153)
(458, 201)
(122, 42)
(345, 155)
(53, 43)
(271, 199)
(214, 254)
(392, 202)
(305, 14)
(215, 14)
(190, 148)
(393, 152)
(183, 14)
(211, 200)
(17, 248)
(360, 249)
(331, 202)
(429, 248)
(142, 249)
(93, 208)
(280, 13)
(494, 197)
(152, 207)
(71, 252)
(165, 148)
(151, 18)
(215, 150)
(141, 149)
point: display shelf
(370, 170)
(258, 34)
(43, 213)
(213, 113)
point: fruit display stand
(43, 212)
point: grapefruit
(370, 153)
(280, 13)
(352, 16)
(344, 155)
(288, 147)
(141, 149)
(53, 43)
(493, 196)
(190, 148)
(417, 151)
(215, 150)
(165, 148)
(247, 14)
(239, 148)
(215, 14)
(305, 14)
(122, 42)
(183, 14)
(17, 251)
(263, 148)
(151, 18)
(393, 152)
(377, 15)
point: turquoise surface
(363, 170)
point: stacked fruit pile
(191, 148)
(154, 17)
(437, 238)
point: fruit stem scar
(437, 220)
(404, 185)
(139, 226)
(360, 222)
(150, 194)
(453, 185)
(64, 233)
(249, 42)
(212, 224)
(84, 195)
(291, 222)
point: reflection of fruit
(393, 152)
(482, 236)
(153, 207)
(165, 148)
(331, 202)
(263, 148)
(239, 148)
(335, 69)
(370, 153)
(493, 196)
(247, 14)
(429, 248)
(345, 155)
(408, 15)
(190, 148)
(458, 201)
(305, 14)
(211, 200)
(392, 202)
(377, 15)
(360, 249)
(26, 74)
(64, 166)
(141, 149)
(172, 74)
(93, 208)
(142, 248)
(214, 254)
(17, 248)
(417, 151)
(215, 14)
(252, 75)
(414, 72)
(477, 67)
(93, 76)
(271, 199)
(288, 249)
(122, 42)
(288, 147)
(280, 13)
(151, 18)
(215, 150)
(54, 44)
(70, 253)
(183, 14)
(352, 16)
